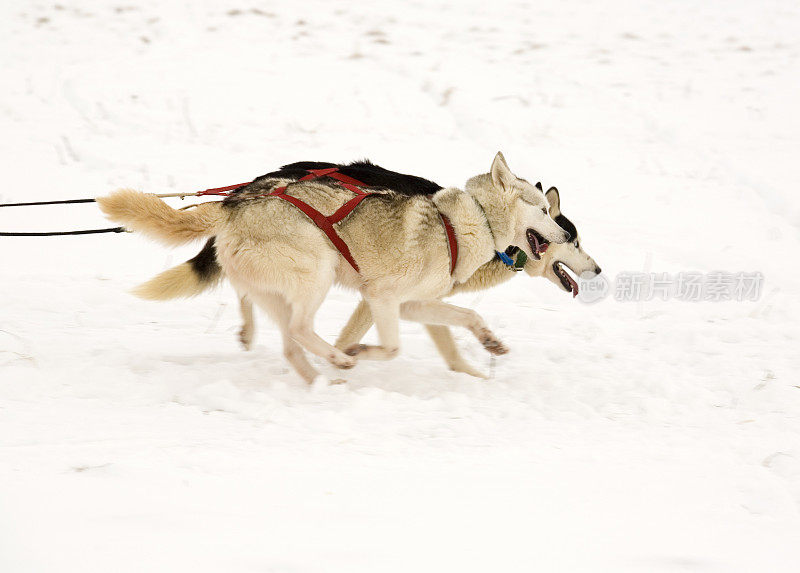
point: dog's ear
(555, 202)
(501, 174)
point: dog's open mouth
(537, 242)
(567, 281)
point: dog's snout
(597, 270)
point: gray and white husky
(552, 265)
(276, 257)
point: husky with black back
(278, 258)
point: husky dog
(552, 264)
(277, 257)
(203, 271)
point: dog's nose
(598, 270)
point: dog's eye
(544, 210)
(577, 246)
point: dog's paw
(246, 338)
(495, 347)
(491, 343)
(343, 361)
(468, 368)
(320, 382)
(355, 349)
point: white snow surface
(652, 436)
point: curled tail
(185, 280)
(149, 215)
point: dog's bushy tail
(149, 215)
(187, 279)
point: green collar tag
(522, 258)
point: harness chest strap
(326, 223)
(452, 244)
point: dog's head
(559, 260)
(524, 219)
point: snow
(651, 436)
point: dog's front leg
(357, 326)
(386, 314)
(446, 345)
(438, 312)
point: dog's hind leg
(386, 313)
(279, 310)
(438, 312)
(446, 345)
(248, 329)
(304, 305)
(357, 326)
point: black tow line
(64, 202)
(60, 233)
(222, 191)
(57, 233)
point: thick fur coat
(279, 259)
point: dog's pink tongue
(573, 284)
(539, 248)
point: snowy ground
(649, 437)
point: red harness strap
(221, 190)
(326, 223)
(451, 241)
(320, 220)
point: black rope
(48, 203)
(59, 233)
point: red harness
(326, 223)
